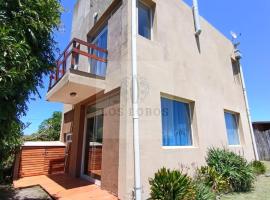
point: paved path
(63, 187)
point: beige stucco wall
(117, 41)
(171, 63)
(83, 16)
(110, 148)
(117, 75)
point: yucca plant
(258, 167)
(233, 167)
(211, 178)
(171, 185)
(203, 192)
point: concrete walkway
(63, 187)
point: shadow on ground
(68, 182)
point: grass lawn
(261, 190)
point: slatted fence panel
(54, 160)
(32, 161)
(41, 161)
(94, 158)
(263, 144)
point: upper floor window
(232, 128)
(176, 123)
(101, 40)
(144, 20)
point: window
(232, 128)
(98, 67)
(176, 123)
(144, 20)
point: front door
(92, 150)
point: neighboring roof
(40, 143)
(261, 126)
(261, 122)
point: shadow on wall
(56, 166)
(198, 43)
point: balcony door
(92, 148)
(101, 40)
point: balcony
(79, 73)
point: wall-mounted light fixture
(73, 94)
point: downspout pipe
(136, 139)
(196, 16)
(238, 57)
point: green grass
(260, 192)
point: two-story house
(190, 93)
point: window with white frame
(176, 123)
(144, 20)
(231, 120)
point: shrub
(233, 167)
(211, 178)
(258, 167)
(171, 185)
(203, 192)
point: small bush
(171, 185)
(233, 167)
(258, 167)
(211, 178)
(203, 192)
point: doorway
(92, 148)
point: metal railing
(70, 57)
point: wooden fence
(263, 144)
(40, 160)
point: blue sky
(249, 18)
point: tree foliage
(49, 129)
(27, 51)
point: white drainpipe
(248, 113)
(196, 16)
(136, 140)
(238, 57)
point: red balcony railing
(70, 58)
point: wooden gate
(41, 160)
(263, 144)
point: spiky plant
(233, 167)
(171, 185)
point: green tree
(27, 50)
(48, 130)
